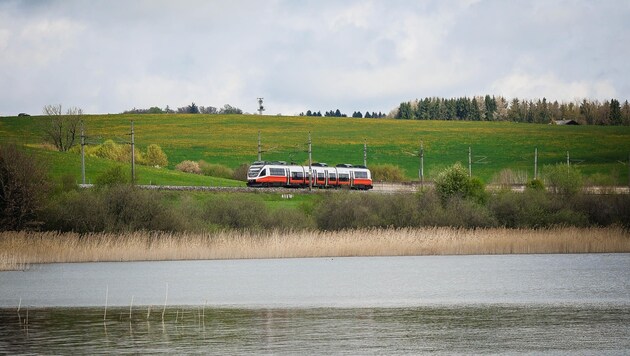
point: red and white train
(280, 174)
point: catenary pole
(259, 148)
(365, 153)
(421, 173)
(133, 156)
(82, 154)
(310, 162)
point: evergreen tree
(615, 117)
(193, 109)
(475, 115)
(405, 112)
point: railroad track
(381, 188)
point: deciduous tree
(62, 130)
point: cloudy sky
(109, 56)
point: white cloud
(548, 85)
(109, 56)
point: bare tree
(62, 130)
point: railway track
(381, 188)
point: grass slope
(232, 140)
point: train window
(320, 176)
(332, 176)
(360, 174)
(344, 177)
(297, 175)
(263, 173)
(276, 171)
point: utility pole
(536, 163)
(310, 162)
(469, 161)
(259, 148)
(365, 153)
(133, 156)
(82, 154)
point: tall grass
(23, 248)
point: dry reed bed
(19, 249)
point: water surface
(551, 304)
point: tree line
(498, 108)
(193, 108)
(338, 113)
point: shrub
(188, 167)
(110, 150)
(237, 213)
(460, 212)
(451, 181)
(508, 177)
(155, 156)
(346, 211)
(387, 173)
(240, 173)
(112, 209)
(563, 179)
(215, 170)
(23, 188)
(535, 184)
(454, 182)
(68, 182)
(534, 209)
(113, 176)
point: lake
(393, 305)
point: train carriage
(280, 174)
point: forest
(498, 108)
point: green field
(232, 140)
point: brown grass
(19, 249)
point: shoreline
(18, 250)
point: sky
(115, 55)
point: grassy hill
(232, 140)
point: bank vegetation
(21, 249)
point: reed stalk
(106, 296)
(53, 247)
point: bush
(451, 181)
(507, 177)
(347, 211)
(111, 150)
(112, 209)
(535, 184)
(240, 173)
(387, 173)
(113, 176)
(189, 167)
(215, 170)
(236, 213)
(563, 179)
(534, 209)
(460, 212)
(68, 182)
(23, 189)
(454, 182)
(155, 156)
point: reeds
(23, 248)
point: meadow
(231, 140)
(20, 249)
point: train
(281, 174)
